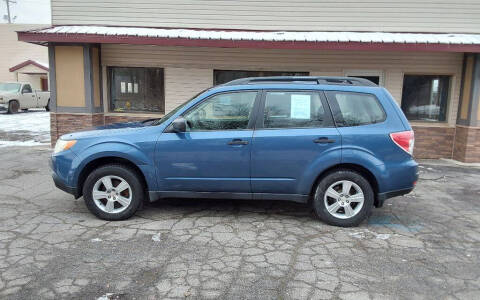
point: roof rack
(303, 80)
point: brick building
(130, 60)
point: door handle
(323, 140)
(238, 142)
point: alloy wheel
(112, 194)
(343, 199)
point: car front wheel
(113, 192)
(343, 198)
(13, 107)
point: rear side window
(294, 110)
(355, 109)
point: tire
(47, 107)
(346, 211)
(113, 206)
(13, 107)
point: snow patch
(96, 240)
(259, 224)
(25, 129)
(363, 234)
(157, 237)
(28, 143)
(281, 36)
(107, 296)
(383, 236)
(30, 121)
(358, 235)
(41, 63)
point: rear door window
(295, 109)
(355, 109)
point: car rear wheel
(113, 192)
(13, 107)
(343, 198)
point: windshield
(10, 87)
(171, 113)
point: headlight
(63, 145)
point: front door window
(227, 111)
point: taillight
(404, 139)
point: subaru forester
(339, 144)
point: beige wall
(177, 92)
(34, 80)
(31, 74)
(13, 52)
(69, 73)
(189, 70)
(308, 15)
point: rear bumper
(384, 196)
(400, 179)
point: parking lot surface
(423, 245)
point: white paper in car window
(129, 87)
(300, 106)
(123, 87)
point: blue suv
(340, 144)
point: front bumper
(3, 106)
(61, 172)
(61, 185)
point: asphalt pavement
(425, 245)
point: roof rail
(328, 80)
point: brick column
(467, 136)
(75, 86)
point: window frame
(23, 88)
(306, 73)
(451, 92)
(259, 124)
(366, 72)
(334, 107)
(251, 121)
(108, 91)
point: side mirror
(179, 125)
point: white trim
(276, 36)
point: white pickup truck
(19, 95)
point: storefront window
(424, 97)
(223, 76)
(374, 79)
(136, 89)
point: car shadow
(225, 206)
